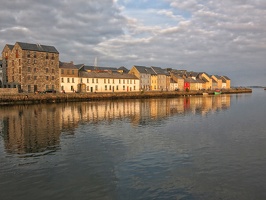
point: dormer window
(16, 53)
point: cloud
(213, 36)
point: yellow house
(207, 79)
(179, 80)
(218, 81)
(226, 82)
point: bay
(197, 147)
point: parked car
(50, 91)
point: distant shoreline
(20, 99)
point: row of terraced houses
(35, 67)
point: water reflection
(37, 128)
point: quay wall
(30, 98)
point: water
(185, 148)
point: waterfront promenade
(30, 98)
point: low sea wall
(22, 98)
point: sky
(225, 37)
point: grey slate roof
(144, 70)
(225, 77)
(37, 47)
(115, 75)
(160, 71)
(65, 65)
(10, 46)
(92, 68)
(124, 69)
(190, 80)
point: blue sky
(218, 37)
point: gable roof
(10, 46)
(65, 65)
(37, 47)
(160, 71)
(225, 77)
(95, 68)
(109, 75)
(144, 70)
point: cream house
(107, 82)
(75, 78)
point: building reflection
(30, 129)
(37, 128)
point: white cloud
(213, 36)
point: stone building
(1, 72)
(30, 67)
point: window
(104, 81)
(88, 88)
(16, 53)
(81, 80)
(68, 80)
(35, 69)
(35, 77)
(29, 88)
(19, 70)
(28, 61)
(113, 81)
(117, 87)
(34, 55)
(34, 61)
(73, 80)
(47, 56)
(72, 71)
(28, 54)
(108, 80)
(47, 78)
(19, 62)
(105, 87)
(124, 81)
(67, 71)
(93, 80)
(62, 80)
(72, 88)
(87, 80)
(47, 70)
(119, 81)
(53, 71)
(52, 77)
(124, 87)
(62, 71)
(12, 62)
(134, 87)
(29, 69)
(28, 77)
(110, 87)
(96, 87)
(52, 56)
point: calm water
(211, 147)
